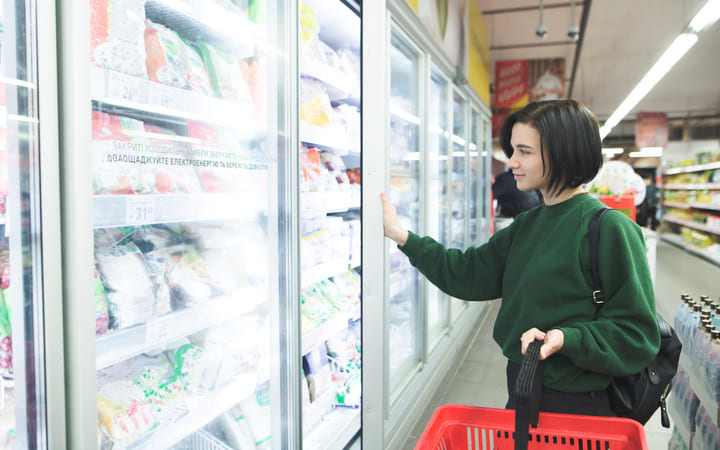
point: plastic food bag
(129, 289)
(225, 73)
(118, 143)
(124, 412)
(116, 35)
(315, 107)
(165, 61)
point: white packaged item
(129, 289)
(117, 35)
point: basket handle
(528, 389)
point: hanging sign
(651, 129)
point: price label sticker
(159, 95)
(139, 210)
(158, 329)
(122, 87)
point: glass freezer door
(330, 129)
(23, 352)
(459, 186)
(438, 217)
(476, 173)
(187, 144)
(404, 192)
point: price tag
(159, 95)
(123, 87)
(139, 210)
(158, 329)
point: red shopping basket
(477, 428)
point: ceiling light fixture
(611, 151)
(707, 15)
(647, 152)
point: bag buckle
(598, 297)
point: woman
(540, 266)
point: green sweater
(540, 266)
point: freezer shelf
(125, 343)
(137, 94)
(121, 210)
(200, 410)
(335, 430)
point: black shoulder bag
(638, 396)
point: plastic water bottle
(713, 366)
(715, 316)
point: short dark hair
(569, 138)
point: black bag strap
(528, 390)
(597, 296)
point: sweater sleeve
(473, 274)
(623, 337)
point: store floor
(478, 377)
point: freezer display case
(405, 294)
(459, 185)
(330, 182)
(437, 204)
(27, 367)
(186, 139)
(476, 177)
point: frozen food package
(236, 431)
(336, 167)
(124, 412)
(256, 411)
(255, 72)
(156, 266)
(164, 58)
(187, 276)
(195, 71)
(189, 368)
(6, 347)
(149, 238)
(225, 73)
(317, 373)
(101, 307)
(309, 44)
(117, 35)
(315, 107)
(118, 145)
(128, 287)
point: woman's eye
(523, 152)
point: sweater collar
(563, 208)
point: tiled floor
(478, 378)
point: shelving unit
(326, 423)
(689, 212)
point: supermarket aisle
(478, 378)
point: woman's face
(527, 159)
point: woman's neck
(563, 195)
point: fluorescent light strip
(406, 116)
(677, 49)
(647, 152)
(613, 151)
(458, 140)
(708, 14)
(25, 119)
(17, 82)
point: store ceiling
(620, 40)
